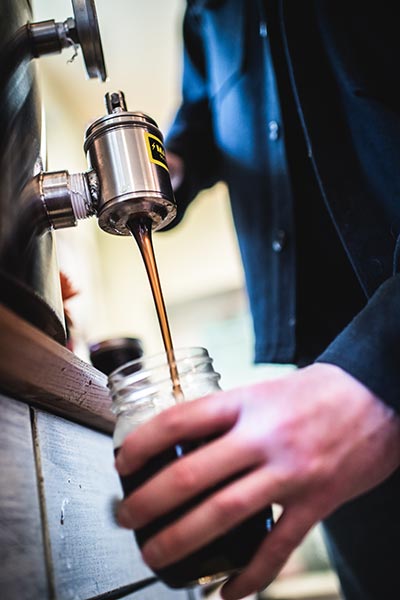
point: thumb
(273, 553)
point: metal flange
(88, 34)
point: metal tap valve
(129, 175)
(126, 151)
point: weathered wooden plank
(22, 557)
(197, 593)
(148, 589)
(158, 591)
(91, 555)
(37, 369)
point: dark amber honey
(227, 554)
(141, 228)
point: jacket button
(279, 241)
(273, 130)
(263, 29)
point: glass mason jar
(110, 354)
(141, 389)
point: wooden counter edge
(36, 369)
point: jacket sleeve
(191, 134)
(369, 347)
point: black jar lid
(108, 355)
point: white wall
(142, 46)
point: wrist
(381, 421)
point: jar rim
(146, 376)
(158, 360)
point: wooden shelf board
(36, 369)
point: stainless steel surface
(125, 149)
(29, 278)
(89, 38)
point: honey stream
(141, 228)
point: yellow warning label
(156, 150)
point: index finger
(186, 421)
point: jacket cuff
(369, 347)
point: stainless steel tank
(29, 275)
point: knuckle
(165, 544)
(316, 472)
(256, 451)
(177, 536)
(171, 540)
(284, 480)
(252, 580)
(173, 423)
(284, 546)
(220, 410)
(281, 554)
(228, 507)
(288, 542)
(254, 583)
(286, 431)
(139, 507)
(249, 446)
(309, 472)
(296, 474)
(184, 476)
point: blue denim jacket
(242, 61)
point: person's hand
(309, 442)
(176, 169)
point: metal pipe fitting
(49, 37)
(66, 198)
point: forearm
(191, 136)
